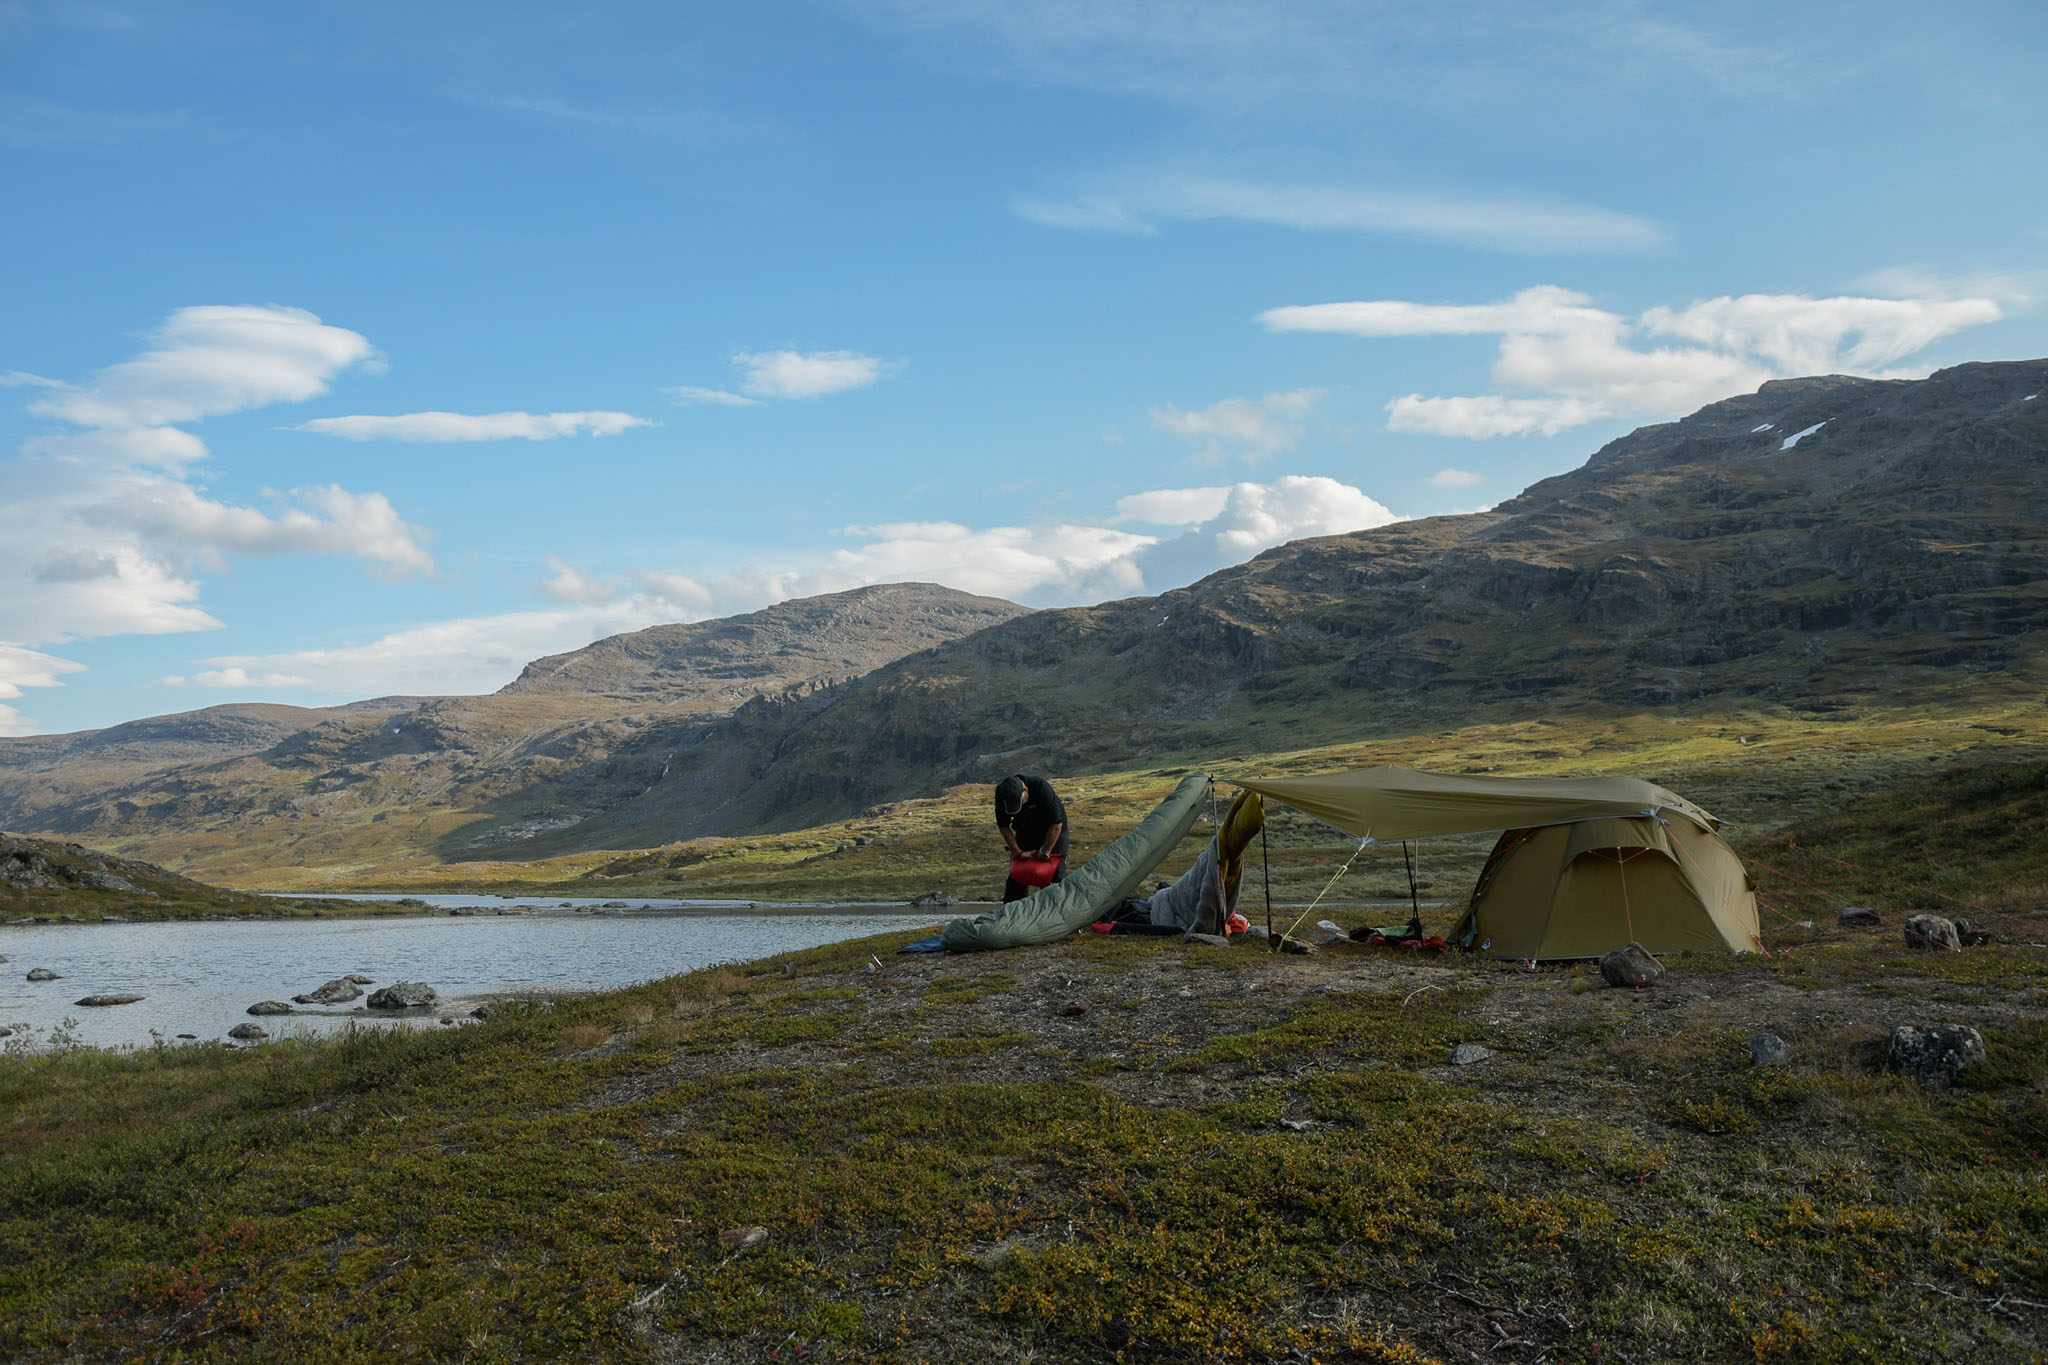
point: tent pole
(1414, 900)
(1266, 868)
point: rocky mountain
(804, 643)
(1822, 544)
(236, 788)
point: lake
(201, 977)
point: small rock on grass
(1860, 916)
(1934, 1056)
(117, 998)
(1630, 965)
(1933, 933)
(743, 1239)
(1465, 1054)
(1291, 944)
(262, 1007)
(43, 974)
(1074, 1009)
(248, 1033)
(1213, 940)
(1768, 1049)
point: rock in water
(114, 999)
(1465, 1054)
(1630, 965)
(262, 1007)
(1933, 1056)
(359, 979)
(1860, 916)
(1768, 1049)
(402, 995)
(43, 974)
(1933, 933)
(335, 992)
(248, 1033)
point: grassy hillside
(1100, 1149)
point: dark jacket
(1041, 812)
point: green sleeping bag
(1093, 890)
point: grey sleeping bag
(1092, 891)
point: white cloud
(1257, 517)
(809, 374)
(1251, 429)
(109, 527)
(1172, 506)
(1454, 478)
(573, 583)
(21, 379)
(725, 398)
(236, 678)
(774, 376)
(1487, 415)
(1575, 363)
(1500, 223)
(457, 426)
(21, 668)
(214, 360)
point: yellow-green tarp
(1388, 804)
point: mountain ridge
(1822, 543)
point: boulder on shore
(402, 995)
(117, 998)
(1631, 965)
(1933, 933)
(262, 1007)
(933, 900)
(1934, 1056)
(247, 1033)
(334, 992)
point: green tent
(1092, 890)
(1584, 865)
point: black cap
(1010, 795)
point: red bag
(1034, 871)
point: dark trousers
(1014, 890)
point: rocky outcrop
(402, 995)
(336, 992)
(263, 1007)
(1935, 1055)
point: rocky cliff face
(1821, 543)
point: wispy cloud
(1250, 429)
(1524, 224)
(766, 376)
(1455, 478)
(457, 426)
(1571, 362)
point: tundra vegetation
(1119, 1148)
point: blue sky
(379, 348)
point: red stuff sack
(1034, 871)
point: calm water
(201, 978)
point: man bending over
(1033, 824)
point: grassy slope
(1228, 1155)
(1794, 766)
